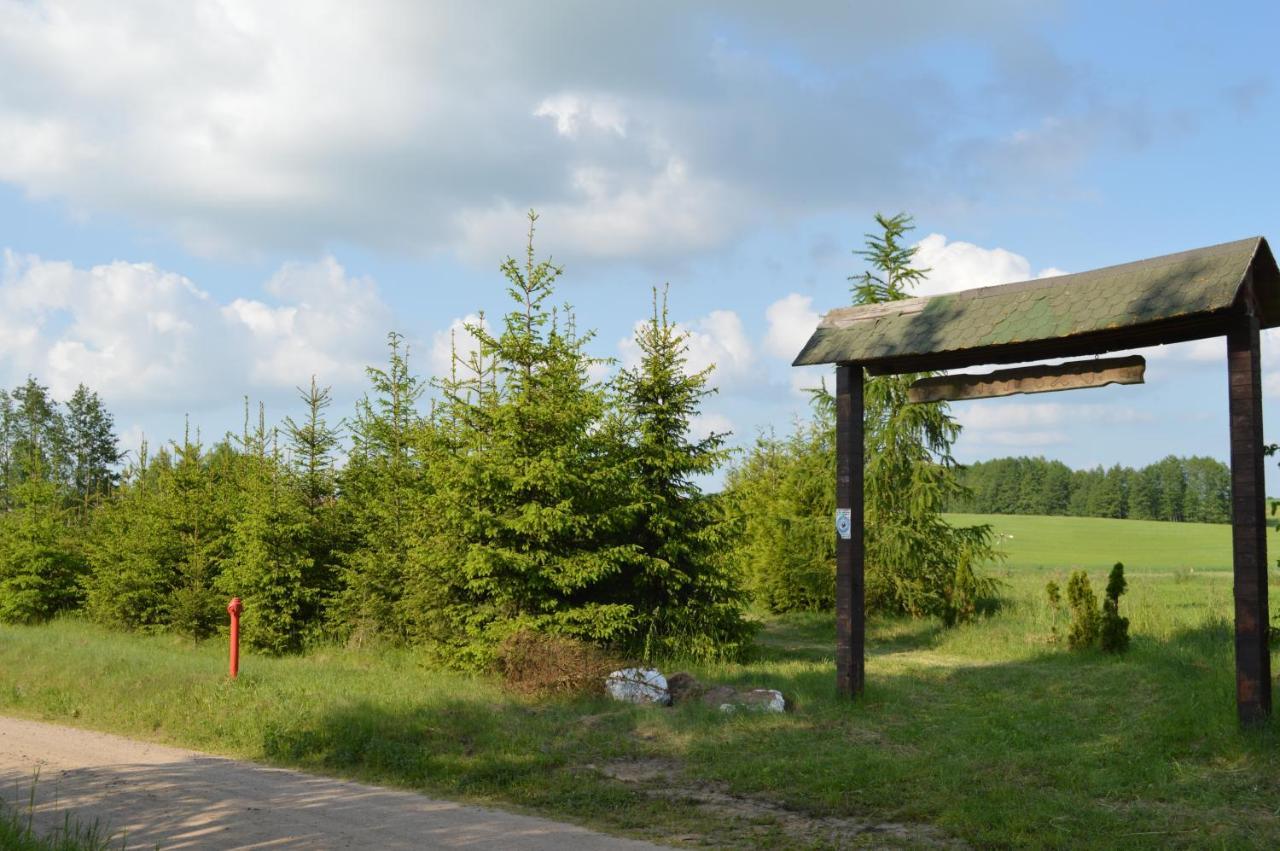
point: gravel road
(179, 799)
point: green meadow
(992, 734)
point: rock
(638, 685)
(757, 699)
(684, 687)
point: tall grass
(991, 731)
(18, 831)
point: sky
(207, 201)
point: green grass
(18, 833)
(1093, 542)
(991, 732)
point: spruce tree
(267, 562)
(39, 575)
(312, 447)
(683, 588)
(1114, 630)
(382, 494)
(196, 502)
(917, 563)
(531, 500)
(133, 549)
(38, 436)
(6, 447)
(91, 447)
(782, 501)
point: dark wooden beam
(850, 554)
(1197, 327)
(1248, 522)
(1038, 378)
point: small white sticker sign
(844, 523)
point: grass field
(991, 733)
(1096, 543)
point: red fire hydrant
(234, 608)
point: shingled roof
(1167, 299)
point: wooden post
(1248, 522)
(850, 589)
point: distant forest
(1194, 490)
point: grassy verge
(991, 733)
(18, 833)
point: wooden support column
(1248, 522)
(850, 589)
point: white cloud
(1028, 426)
(573, 112)
(791, 322)
(329, 325)
(241, 126)
(145, 337)
(1012, 415)
(960, 265)
(715, 340)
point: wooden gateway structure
(1231, 289)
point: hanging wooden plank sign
(1039, 378)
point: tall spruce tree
(6, 446)
(91, 447)
(917, 563)
(312, 447)
(38, 436)
(689, 598)
(531, 501)
(197, 502)
(382, 488)
(267, 563)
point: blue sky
(208, 200)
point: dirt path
(181, 799)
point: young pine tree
(688, 598)
(383, 493)
(267, 563)
(1086, 622)
(312, 446)
(197, 501)
(782, 500)
(91, 447)
(39, 575)
(133, 549)
(531, 500)
(1114, 632)
(917, 563)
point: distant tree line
(1195, 490)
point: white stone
(638, 685)
(761, 700)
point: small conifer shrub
(1054, 593)
(1086, 621)
(1115, 629)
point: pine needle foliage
(1086, 621)
(683, 586)
(782, 497)
(1114, 633)
(917, 563)
(533, 496)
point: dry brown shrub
(535, 663)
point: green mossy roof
(1175, 286)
